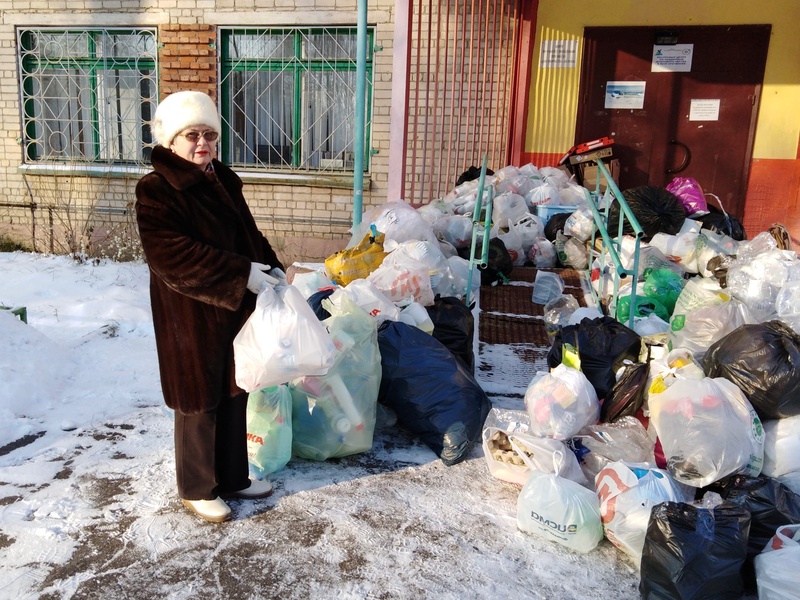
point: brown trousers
(211, 450)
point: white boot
(258, 489)
(214, 510)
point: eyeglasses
(194, 136)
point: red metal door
(697, 117)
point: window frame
(91, 67)
(298, 66)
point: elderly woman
(207, 261)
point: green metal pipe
(360, 110)
(476, 222)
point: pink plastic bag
(690, 194)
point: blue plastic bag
(431, 391)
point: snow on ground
(88, 507)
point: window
(288, 97)
(87, 95)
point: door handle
(687, 157)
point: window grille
(87, 95)
(288, 97)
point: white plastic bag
(365, 295)
(511, 453)
(781, 446)
(571, 251)
(434, 210)
(544, 193)
(403, 279)
(560, 510)
(580, 224)
(681, 247)
(311, 282)
(543, 253)
(787, 304)
(508, 208)
(501, 458)
(512, 240)
(627, 492)
(561, 403)
(711, 244)
(455, 282)
(397, 220)
(704, 313)
(778, 566)
(529, 228)
(600, 444)
(415, 315)
(676, 364)
(708, 429)
(425, 252)
(456, 229)
(282, 339)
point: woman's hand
(258, 279)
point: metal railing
(476, 230)
(611, 245)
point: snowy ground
(88, 507)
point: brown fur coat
(199, 239)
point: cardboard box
(590, 174)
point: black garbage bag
(771, 505)
(454, 326)
(764, 361)
(627, 396)
(656, 209)
(315, 302)
(471, 174)
(555, 224)
(499, 263)
(693, 552)
(720, 222)
(603, 344)
(431, 391)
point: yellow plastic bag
(357, 262)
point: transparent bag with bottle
(334, 414)
(269, 429)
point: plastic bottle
(345, 401)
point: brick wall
(187, 58)
(303, 222)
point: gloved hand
(258, 279)
(276, 272)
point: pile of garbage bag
(677, 439)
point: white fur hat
(181, 110)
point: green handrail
(476, 224)
(611, 245)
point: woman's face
(197, 144)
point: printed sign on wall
(558, 53)
(704, 110)
(675, 59)
(624, 94)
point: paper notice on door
(624, 94)
(672, 59)
(558, 53)
(704, 110)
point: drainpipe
(358, 142)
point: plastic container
(546, 287)
(545, 211)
